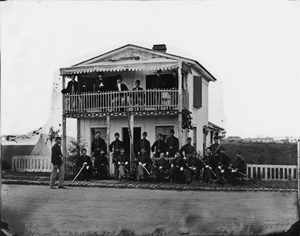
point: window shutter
(197, 91)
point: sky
(251, 47)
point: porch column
(78, 131)
(298, 169)
(107, 143)
(64, 127)
(180, 104)
(131, 124)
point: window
(197, 92)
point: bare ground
(38, 210)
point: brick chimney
(160, 47)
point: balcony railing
(144, 100)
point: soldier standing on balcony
(157, 83)
(172, 144)
(143, 144)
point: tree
(52, 135)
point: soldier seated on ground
(160, 168)
(176, 172)
(221, 168)
(144, 165)
(237, 169)
(101, 164)
(191, 167)
(208, 171)
(122, 165)
(85, 162)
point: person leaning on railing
(120, 99)
(72, 88)
(138, 96)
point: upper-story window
(197, 103)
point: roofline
(215, 126)
(157, 52)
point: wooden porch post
(131, 124)
(108, 142)
(78, 131)
(64, 128)
(180, 104)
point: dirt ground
(38, 210)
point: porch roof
(131, 65)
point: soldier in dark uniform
(191, 167)
(188, 149)
(208, 171)
(144, 165)
(238, 168)
(158, 146)
(98, 144)
(221, 166)
(143, 143)
(115, 148)
(177, 169)
(85, 160)
(172, 144)
(122, 165)
(56, 160)
(101, 164)
(161, 168)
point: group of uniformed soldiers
(168, 162)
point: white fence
(272, 172)
(264, 172)
(31, 164)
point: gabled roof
(134, 57)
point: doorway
(137, 132)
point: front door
(126, 139)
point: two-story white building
(161, 109)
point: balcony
(145, 102)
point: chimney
(160, 47)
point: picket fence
(264, 172)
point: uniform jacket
(83, 159)
(187, 149)
(144, 159)
(162, 162)
(101, 159)
(70, 87)
(193, 162)
(172, 145)
(215, 150)
(99, 88)
(56, 155)
(239, 164)
(98, 144)
(116, 145)
(123, 87)
(143, 143)
(159, 146)
(122, 158)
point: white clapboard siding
(31, 164)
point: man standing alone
(56, 159)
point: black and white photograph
(150, 118)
